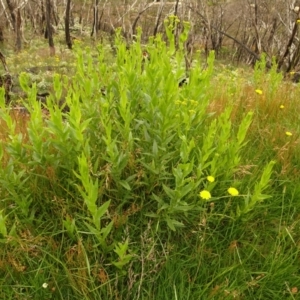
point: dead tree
(95, 19)
(245, 47)
(49, 28)
(43, 27)
(134, 24)
(18, 30)
(158, 17)
(15, 15)
(67, 25)
(11, 8)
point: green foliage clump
(133, 178)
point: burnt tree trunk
(67, 25)
(95, 21)
(49, 27)
(43, 21)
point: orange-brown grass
(273, 117)
(20, 117)
(76, 266)
(27, 243)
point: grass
(101, 201)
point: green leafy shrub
(127, 143)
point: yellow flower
(205, 195)
(298, 21)
(292, 73)
(258, 91)
(210, 178)
(288, 133)
(233, 191)
(281, 106)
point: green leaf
(186, 189)
(173, 224)
(121, 249)
(154, 148)
(2, 97)
(151, 168)
(92, 229)
(171, 193)
(158, 199)
(265, 178)
(69, 225)
(105, 231)
(152, 215)
(3, 229)
(243, 128)
(122, 161)
(101, 211)
(125, 184)
(124, 258)
(170, 224)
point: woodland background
(238, 30)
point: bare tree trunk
(49, 28)
(133, 27)
(15, 15)
(95, 21)
(288, 45)
(18, 31)
(67, 25)
(6, 14)
(82, 13)
(158, 17)
(54, 12)
(43, 28)
(12, 12)
(1, 35)
(255, 56)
